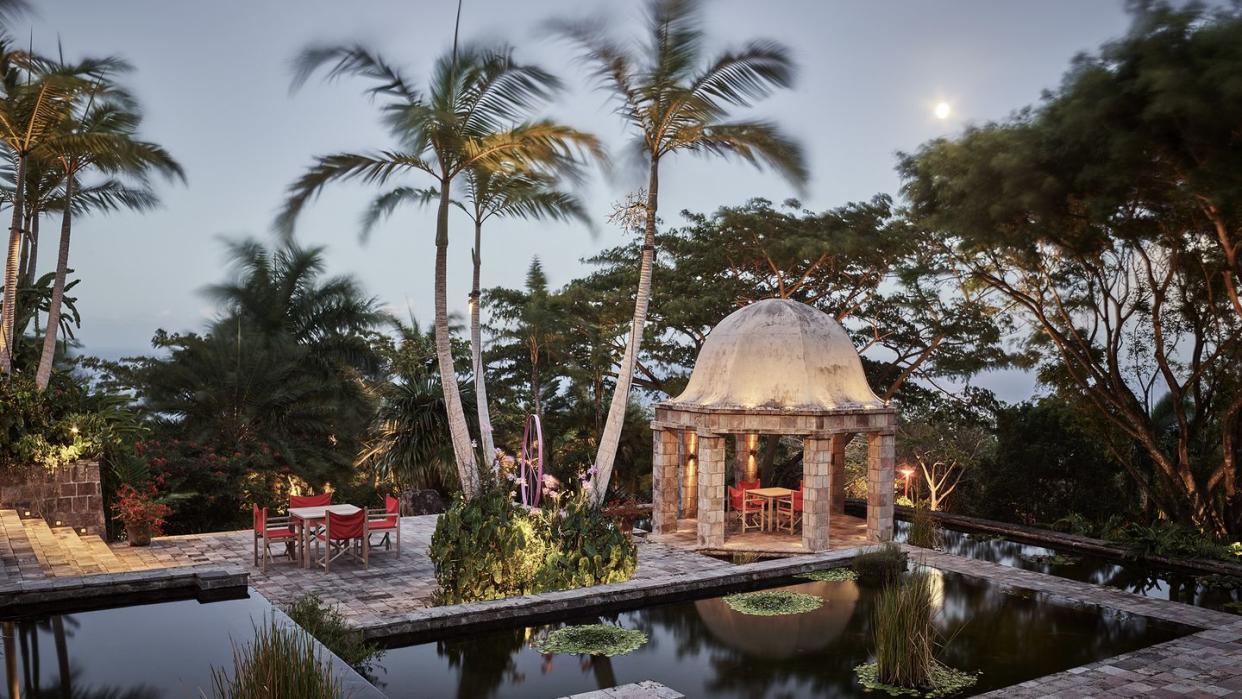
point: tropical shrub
(47, 429)
(880, 563)
(1173, 541)
(491, 547)
(141, 513)
(328, 627)
(280, 662)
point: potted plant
(141, 514)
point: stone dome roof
(777, 355)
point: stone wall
(70, 495)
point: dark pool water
(1124, 575)
(143, 651)
(704, 649)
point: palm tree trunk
(8, 316)
(608, 442)
(33, 269)
(458, 430)
(62, 657)
(44, 374)
(476, 351)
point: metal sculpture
(530, 465)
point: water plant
(1054, 559)
(280, 662)
(773, 602)
(904, 633)
(925, 530)
(830, 575)
(328, 626)
(592, 639)
(880, 563)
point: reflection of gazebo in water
(775, 367)
(784, 635)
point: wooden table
(310, 517)
(770, 496)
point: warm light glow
(73, 430)
(942, 110)
(907, 472)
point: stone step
(103, 554)
(83, 559)
(53, 557)
(17, 556)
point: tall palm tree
(489, 194)
(100, 136)
(474, 115)
(672, 100)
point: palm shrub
(925, 531)
(281, 662)
(586, 547)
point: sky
(214, 79)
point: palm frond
(759, 143)
(352, 60)
(382, 206)
(370, 169)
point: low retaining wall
(69, 496)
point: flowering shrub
(139, 510)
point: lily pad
(592, 639)
(773, 602)
(945, 681)
(830, 575)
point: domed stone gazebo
(774, 367)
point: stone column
(837, 479)
(663, 481)
(881, 453)
(690, 475)
(711, 514)
(816, 492)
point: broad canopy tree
(1105, 215)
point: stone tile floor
(389, 587)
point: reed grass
(925, 531)
(905, 635)
(281, 663)
(883, 564)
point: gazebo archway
(776, 367)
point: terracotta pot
(138, 534)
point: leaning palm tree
(672, 101)
(489, 194)
(98, 136)
(474, 116)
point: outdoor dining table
(770, 496)
(309, 518)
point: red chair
(320, 500)
(270, 530)
(388, 523)
(748, 485)
(790, 508)
(345, 535)
(748, 506)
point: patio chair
(320, 500)
(751, 508)
(271, 530)
(345, 535)
(388, 523)
(748, 485)
(789, 509)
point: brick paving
(390, 587)
(647, 689)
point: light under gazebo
(775, 367)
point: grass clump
(904, 634)
(830, 575)
(327, 625)
(592, 639)
(281, 662)
(773, 602)
(925, 531)
(881, 564)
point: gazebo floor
(844, 531)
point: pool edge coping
(198, 578)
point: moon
(942, 110)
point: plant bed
(592, 639)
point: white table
(310, 517)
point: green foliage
(925, 530)
(328, 627)
(280, 662)
(1217, 581)
(773, 602)
(945, 681)
(1173, 541)
(830, 575)
(884, 563)
(592, 639)
(490, 548)
(1052, 559)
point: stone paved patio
(391, 587)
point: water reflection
(704, 648)
(1129, 576)
(26, 642)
